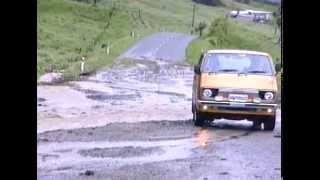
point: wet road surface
(164, 46)
(133, 121)
(160, 150)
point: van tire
(198, 119)
(256, 125)
(269, 123)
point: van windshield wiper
(228, 70)
(255, 71)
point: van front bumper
(237, 108)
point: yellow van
(237, 85)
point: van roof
(237, 51)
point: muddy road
(133, 121)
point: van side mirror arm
(197, 69)
(278, 68)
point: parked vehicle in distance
(252, 15)
(237, 85)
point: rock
(87, 173)
(224, 173)
(41, 99)
(51, 78)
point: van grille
(237, 109)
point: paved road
(160, 46)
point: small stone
(224, 173)
(41, 99)
(89, 173)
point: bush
(209, 2)
(218, 32)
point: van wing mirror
(278, 67)
(197, 69)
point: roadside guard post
(82, 64)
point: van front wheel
(198, 119)
(269, 123)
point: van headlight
(207, 93)
(268, 96)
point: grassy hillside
(239, 35)
(68, 29)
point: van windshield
(237, 63)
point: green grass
(68, 30)
(239, 36)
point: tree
(279, 27)
(201, 27)
(244, 1)
(277, 23)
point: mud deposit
(125, 152)
(133, 121)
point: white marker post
(82, 65)
(108, 48)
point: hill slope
(68, 30)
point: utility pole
(194, 9)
